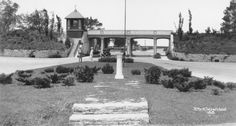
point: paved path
(11, 64)
(225, 72)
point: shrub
(180, 79)
(62, 69)
(152, 75)
(41, 82)
(95, 69)
(24, 77)
(49, 70)
(231, 85)
(183, 87)
(136, 72)
(28, 71)
(157, 56)
(215, 91)
(167, 83)
(208, 80)
(107, 69)
(219, 84)
(181, 83)
(5, 79)
(69, 81)
(128, 60)
(198, 84)
(84, 74)
(54, 78)
(107, 59)
(175, 72)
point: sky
(141, 14)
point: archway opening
(142, 47)
(162, 46)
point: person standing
(91, 54)
(80, 54)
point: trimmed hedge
(107, 59)
(113, 60)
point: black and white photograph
(117, 62)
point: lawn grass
(28, 106)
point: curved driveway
(221, 71)
(11, 64)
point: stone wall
(205, 57)
(28, 53)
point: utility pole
(125, 26)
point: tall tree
(190, 22)
(229, 19)
(180, 28)
(35, 21)
(92, 24)
(226, 25)
(58, 24)
(52, 27)
(45, 21)
(8, 15)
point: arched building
(77, 33)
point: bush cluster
(157, 56)
(198, 84)
(167, 82)
(231, 85)
(219, 84)
(69, 81)
(135, 72)
(107, 59)
(215, 92)
(49, 70)
(24, 77)
(113, 60)
(62, 69)
(29, 40)
(107, 69)
(43, 82)
(55, 78)
(175, 72)
(128, 60)
(5, 79)
(152, 74)
(84, 74)
(205, 44)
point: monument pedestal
(119, 67)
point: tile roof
(74, 14)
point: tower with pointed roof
(75, 25)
